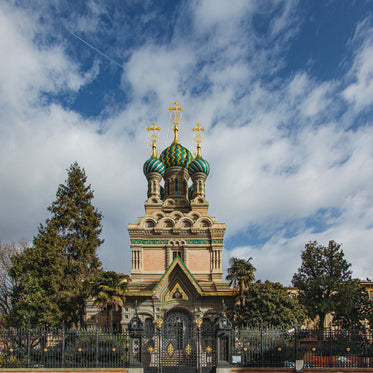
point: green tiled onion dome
(176, 155)
(153, 164)
(190, 192)
(199, 165)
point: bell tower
(177, 244)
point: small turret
(153, 168)
(199, 168)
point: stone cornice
(163, 242)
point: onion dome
(176, 155)
(199, 165)
(153, 164)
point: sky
(284, 89)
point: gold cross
(175, 118)
(198, 137)
(154, 136)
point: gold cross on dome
(175, 118)
(154, 136)
(198, 129)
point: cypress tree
(54, 277)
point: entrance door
(179, 344)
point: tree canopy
(271, 304)
(241, 274)
(109, 292)
(319, 278)
(54, 277)
(352, 305)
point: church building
(176, 246)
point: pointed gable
(178, 285)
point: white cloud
(28, 71)
(210, 13)
(318, 100)
(360, 91)
(278, 152)
(158, 70)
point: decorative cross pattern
(198, 129)
(154, 136)
(170, 349)
(175, 116)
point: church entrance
(179, 343)
(179, 347)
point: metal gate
(179, 343)
(179, 346)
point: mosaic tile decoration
(165, 242)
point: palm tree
(109, 292)
(241, 274)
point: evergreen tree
(54, 277)
(241, 274)
(271, 304)
(319, 278)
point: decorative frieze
(165, 242)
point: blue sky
(284, 89)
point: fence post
(28, 345)
(223, 329)
(199, 322)
(63, 346)
(296, 341)
(97, 346)
(159, 323)
(366, 358)
(261, 345)
(331, 364)
(136, 329)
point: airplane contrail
(97, 50)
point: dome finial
(175, 118)
(198, 137)
(154, 137)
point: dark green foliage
(109, 292)
(54, 277)
(352, 306)
(94, 346)
(319, 278)
(271, 304)
(240, 275)
(10, 361)
(63, 348)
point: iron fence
(63, 348)
(274, 347)
(249, 347)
